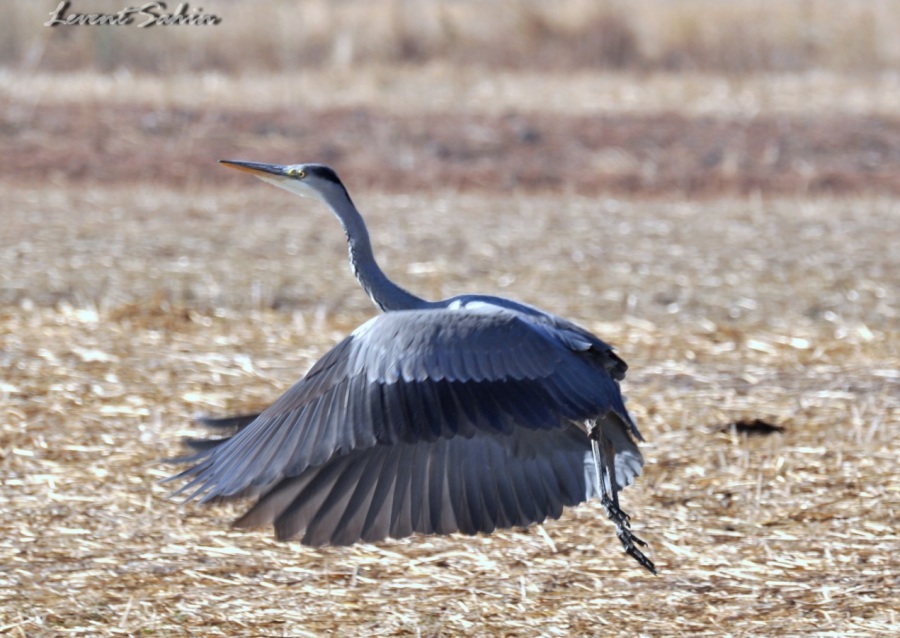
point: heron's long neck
(385, 293)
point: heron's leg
(604, 464)
(609, 496)
(600, 485)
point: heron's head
(306, 180)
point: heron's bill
(255, 168)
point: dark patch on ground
(753, 427)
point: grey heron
(464, 415)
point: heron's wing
(233, 423)
(411, 377)
(469, 485)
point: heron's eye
(297, 173)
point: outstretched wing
(414, 377)
(469, 485)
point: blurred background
(743, 36)
(691, 96)
(710, 186)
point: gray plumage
(470, 414)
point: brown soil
(619, 154)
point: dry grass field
(733, 232)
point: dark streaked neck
(386, 294)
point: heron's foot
(630, 542)
(623, 530)
(615, 513)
